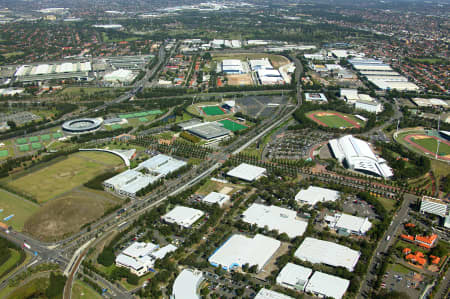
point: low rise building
(247, 172)
(269, 294)
(314, 194)
(294, 277)
(326, 285)
(216, 198)
(183, 216)
(187, 285)
(275, 218)
(323, 252)
(315, 97)
(349, 224)
(239, 250)
(434, 206)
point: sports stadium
(82, 125)
(334, 119)
(432, 143)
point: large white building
(239, 250)
(140, 257)
(120, 76)
(130, 182)
(294, 277)
(323, 252)
(369, 104)
(275, 218)
(266, 73)
(233, 67)
(357, 155)
(269, 294)
(350, 224)
(183, 216)
(433, 206)
(313, 195)
(247, 172)
(216, 197)
(325, 285)
(187, 285)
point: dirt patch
(237, 80)
(66, 215)
(271, 264)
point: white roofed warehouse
(275, 218)
(350, 224)
(357, 155)
(216, 197)
(314, 194)
(325, 285)
(294, 277)
(183, 216)
(187, 285)
(323, 252)
(247, 172)
(239, 250)
(269, 294)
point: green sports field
(431, 145)
(57, 178)
(212, 110)
(3, 153)
(34, 139)
(334, 119)
(21, 140)
(57, 135)
(45, 137)
(231, 125)
(116, 126)
(21, 208)
(36, 146)
(24, 147)
(143, 119)
(140, 114)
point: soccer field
(232, 126)
(62, 176)
(212, 110)
(334, 119)
(431, 145)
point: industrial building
(391, 85)
(357, 155)
(315, 97)
(187, 285)
(269, 294)
(136, 62)
(120, 76)
(348, 224)
(349, 95)
(216, 198)
(140, 257)
(19, 117)
(247, 172)
(53, 71)
(326, 285)
(275, 218)
(239, 250)
(294, 277)
(421, 102)
(369, 104)
(433, 206)
(313, 195)
(209, 130)
(265, 72)
(233, 67)
(130, 182)
(183, 216)
(323, 252)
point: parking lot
(357, 207)
(258, 106)
(226, 287)
(410, 283)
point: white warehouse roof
(269, 294)
(359, 156)
(318, 251)
(247, 172)
(326, 285)
(186, 284)
(215, 197)
(283, 220)
(314, 194)
(183, 216)
(352, 224)
(293, 276)
(139, 249)
(239, 250)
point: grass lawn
(143, 119)
(431, 145)
(57, 135)
(130, 287)
(3, 153)
(140, 114)
(212, 110)
(21, 208)
(24, 147)
(388, 204)
(84, 90)
(10, 263)
(399, 268)
(31, 289)
(62, 176)
(11, 54)
(21, 140)
(210, 186)
(232, 126)
(81, 290)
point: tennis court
(24, 147)
(3, 153)
(57, 135)
(140, 114)
(36, 145)
(116, 126)
(212, 110)
(231, 125)
(45, 137)
(143, 119)
(21, 141)
(34, 139)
